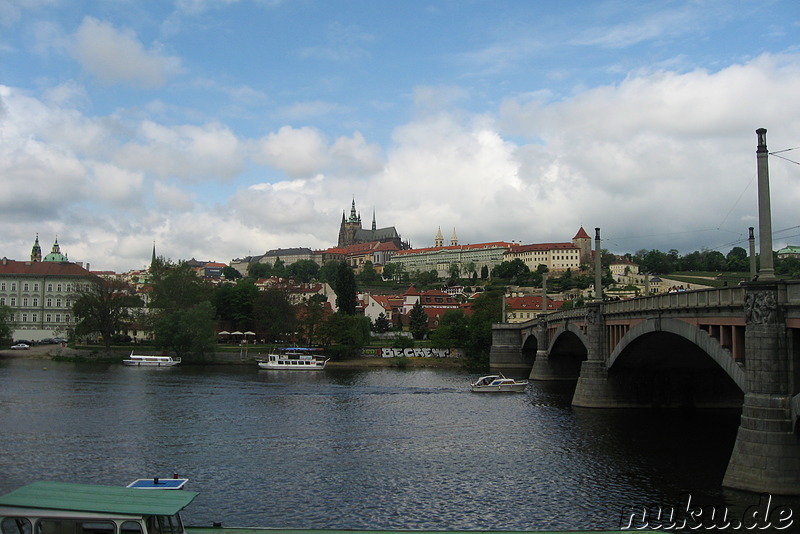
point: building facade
(351, 232)
(40, 293)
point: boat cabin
(67, 508)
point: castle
(351, 232)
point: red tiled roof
(531, 302)
(542, 247)
(42, 268)
(581, 234)
(496, 244)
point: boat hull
(517, 387)
(300, 365)
(133, 363)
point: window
(58, 317)
(49, 303)
(36, 286)
(2, 301)
(2, 286)
(25, 301)
(35, 302)
(15, 525)
(13, 301)
(34, 317)
(58, 287)
(131, 527)
(58, 303)
(73, 526)
(48, 318)
(24, 317)
(25, 286)
(13, 286)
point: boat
(294, 359)
(67, 508)
(70, 508)
(496, 383)
(138, 360)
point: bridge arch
(568, 328)
(689, 332)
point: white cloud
(117, 56)
(299, 152)
(191, 153)
(172, 197)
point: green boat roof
(102, 499)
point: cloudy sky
(221, 128)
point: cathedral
(351, 232)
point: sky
(218, 129)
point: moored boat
(497, 383)
(294, 359)
(138, 360)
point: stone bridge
(729, 347)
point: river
(358, 449)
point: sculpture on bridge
(761, 307)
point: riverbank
(51, 352)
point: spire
(438, 241)
(353, 216)
(374, 226)
(36, 251)
(56, 248)
(454, 239)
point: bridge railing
(724, 297)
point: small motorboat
(497, 383)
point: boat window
(131, 527)
(169, 524)
(68, 526)
(15, 525)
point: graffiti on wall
(419, 353)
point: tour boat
(137, 360)
(495, 383)
(67, 508)
(294, 359)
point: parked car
(20, 346)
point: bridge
(728, 347)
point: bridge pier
(594, 389)
(766, 455)
(506, 353)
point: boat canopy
(101, 499)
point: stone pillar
(598, 272)
(752, 241)
(506, 351)
(593, 389)
(767, 272)
(541, 369)
(766, 455)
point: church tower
(438, 241)
(350, 227)
(454, 239)
(36, 251)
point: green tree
(345, 288)
(234, 303)
(382, 324)
(303, 271)
(737, 260)
(454, 271)
(6, 324)
(511, 270)
(418, 321)
(187, 331)
(453, 330)
(368, 273)
(258, 270)
(103, 307)
(393, 271)
(183, 316)
(484, 272)
(345, 335)
(230, 273)
(274, 315)
(311, 317)
(279, 268)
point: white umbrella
(237, 333)
(224, 333)
(249, 333)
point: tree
(183, 316)
(454, 271)
(234, 303)
(737, 260)
(453, 330)
(393, 271)
(303, 270)
(368, 273)
(274, 315)
(102, 306)
(230, 273)
(418, 321)
(382, 324)
(511, 270)
(345, 289)
(345, 335)
(484, 272)
(187, 331)
(311, 316)
(259, 270)
(6, 323)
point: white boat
(294, 359)
(137, 360)
(495, 383)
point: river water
(358, 449)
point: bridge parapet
(726, 297)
